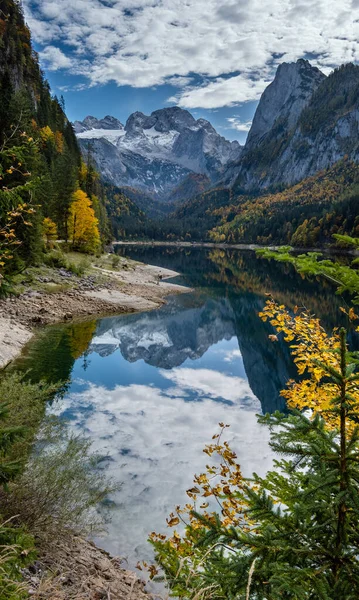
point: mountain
(304, 122)
(40, 160)
(191, 186)
(156, 153)
(307, 214)
(283, 100)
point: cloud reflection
(154, 439)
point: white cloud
(222, 92)
(179, 82)
(54, 59)
(232, 355)
(154, 440)
(211, 384)
(144, 43)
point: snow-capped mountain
(156, 153)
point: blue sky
(213, 58)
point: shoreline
(138, 287)
(225, 246)
(78, 568)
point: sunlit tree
(82, 223)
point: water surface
(150, 389)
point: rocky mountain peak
(157, 152)
(90, 122)
(173, 118)
(136, 122)
(285, 98)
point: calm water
(149, 389)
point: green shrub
(115, 261)
(56, 259)
(61, 487)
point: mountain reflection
(165, 338)
(188, 326)
(149, 389)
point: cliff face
(305, 122)
(283, 100)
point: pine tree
(8, 435)
(293, 534)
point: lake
(149, 389)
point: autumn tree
(50, 231)
(83, 224)
(293, 534)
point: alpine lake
(149, 389)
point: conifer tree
(293, 534)
(8, 435)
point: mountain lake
(149, 389)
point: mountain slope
(305, 122)
(307, 214)
(156, 153)
(40, 160)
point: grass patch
(111, 262)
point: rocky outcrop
(305, 122)
(156, 153)
(284, 99)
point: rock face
(305, 122)
(92, 123)
(156, 153)
(284, 99)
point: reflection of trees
(244, 272)
(80, 336)
(52, 354)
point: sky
(211, 57)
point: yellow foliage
(50, 230)
(57, 139)
(80, 338)
(222, 483)
(82, 172)
(59, 142)
(316, 354)
(82, 224)
(47, 134)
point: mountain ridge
(157, 152)
(317, 125)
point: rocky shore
(63, 296)
(76, 569)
